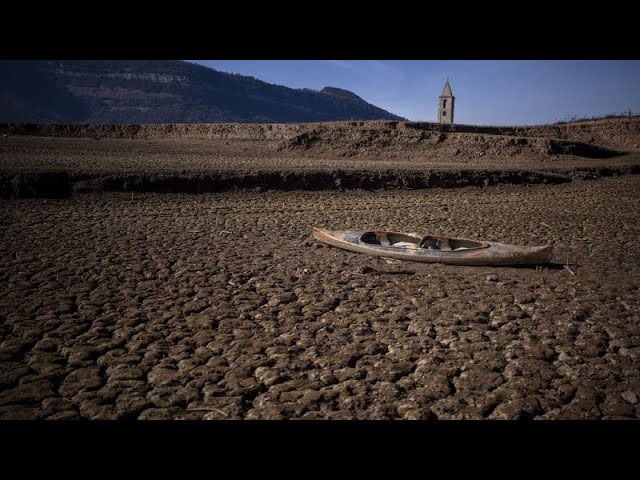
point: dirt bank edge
(65, 184)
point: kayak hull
(477, 253)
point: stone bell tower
(445, 104)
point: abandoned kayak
(433, 249)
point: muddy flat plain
(120, 302)
(221, 306)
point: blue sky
(488, 92)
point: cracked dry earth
(221, 306)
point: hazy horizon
(488, 92)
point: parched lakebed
(222, 306)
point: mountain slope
(162, 91)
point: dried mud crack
(221, 306)
(124, 296)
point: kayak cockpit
(429, 242)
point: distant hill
(162, 91)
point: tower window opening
(444, 113)
(444, 103)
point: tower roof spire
(446, 91)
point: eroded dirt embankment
(623, 132)
(618, 133)
(343, 141)
(55, 160)
(64, 184)
(615, 133)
